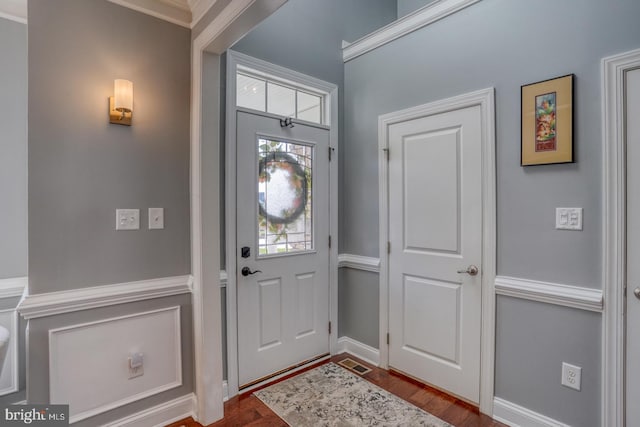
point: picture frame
(547, 122)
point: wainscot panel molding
(358, 349)
(359, 262)
(14, 287)
(9, 374)
(435, 11)
(51, 303)
(15, 10)
(517, 416)
(160, 415)
(107, 345)
(550, 293)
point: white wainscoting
(160, 415)
(9, 369)
(359, 262)
(13, 287)
(517, 416)
(367, 353)
(88, 363)
(550, 293)
(435, 11)
(51, 303)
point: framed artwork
(547, 122)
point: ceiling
(182, 12)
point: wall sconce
(121, 104)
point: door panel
(283, 218)
(633, 249)
(435, 230)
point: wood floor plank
(248, 410)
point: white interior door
(283, 241)
(435, 231)
(633, 250)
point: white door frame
(330, 91)
(614, 69)
(485, 100)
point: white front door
(633, 249)
(435, 233)
(283, 245)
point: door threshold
(276, 376)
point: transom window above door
(262, 93)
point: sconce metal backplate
(116, 117)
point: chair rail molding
(13, 287)
(359, 262)
(614, 70)
(435, 11)
(14, 10)
(550, 293)
(51, 303)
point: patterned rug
(332, 396)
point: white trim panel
(614, 69)
(367, 353)
(159, 415)
(155, 333)
(51, 303)
(435, 11)
(14, 10)
(10, 368)
(13, 287)
(550, 293)
(518, 416)
(359, 262)
(161, 10)
(223, 279)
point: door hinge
(330, 152)
(329, 328)
(388, 247)
(386, 153)
(388, 338)
(329, 242)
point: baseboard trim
(225, 390)
(551, 293)
(363, 351)
(160, 415)
(359, 262)
(517, 416)
(13, 287)
(51, 303)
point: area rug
(332, 396)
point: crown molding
(170, 10)
(14, 10)
(198, 9)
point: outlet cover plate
(568, 218)
(127, 219)
(571, 376)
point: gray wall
(13, 149)
(81, 168)
(498, 43)
(405, 7)
(13, 172)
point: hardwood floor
(248, 410)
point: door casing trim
(614, 69)
(235, 59)
(485, 99)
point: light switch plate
(156, 218)
(127, 219)
(569, 218)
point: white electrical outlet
(156, 218)
(571, 376)
(569, 218)
(127, 219)
(136, 365)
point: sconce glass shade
(123, 94)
